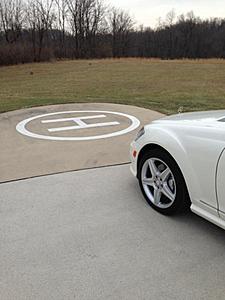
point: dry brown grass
(157, 84)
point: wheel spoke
(153, 168)
(165, 174)
(148, 181)
(168, 193)
(157, 196)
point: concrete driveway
(25, 156)
(90, 235)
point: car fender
(169, 141)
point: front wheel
(162, 182)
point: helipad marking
(21, 127)
(81, 124)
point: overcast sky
(147, 12)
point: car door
(220, 185)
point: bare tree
(40, 17)
(170, 18)
(94, 15)
(11, 19)
(62, 14)
(75, 9)
(85, 19)
(120, 24)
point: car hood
(210, 118)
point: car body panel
(196, 141)
(203, 117)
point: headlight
(140, 133)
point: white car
(180, 163)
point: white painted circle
(21, 127)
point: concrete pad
(24, 156)
(90, 235)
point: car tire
(171, 190)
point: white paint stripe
(72, 119)
(84, 126)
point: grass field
(160, 85)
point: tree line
(41, 30)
